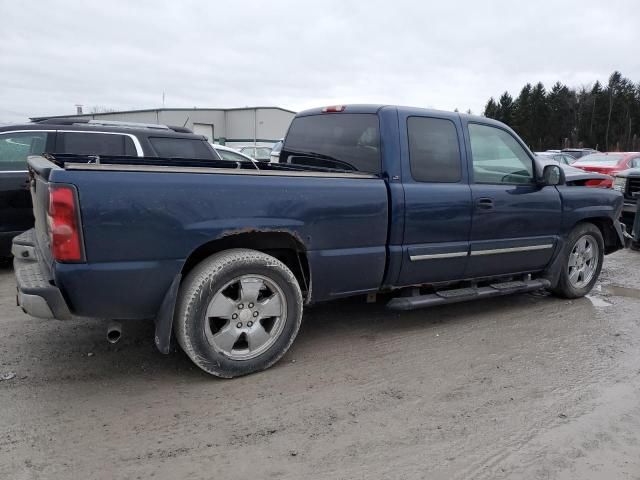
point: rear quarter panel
(140, 227)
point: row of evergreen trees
(605, 117)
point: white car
(275, 151)
(260, 154)
(228, 153)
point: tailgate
(39, 170)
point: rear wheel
(238, 312)
(582, 261)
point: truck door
(437, 200)
(515, 221)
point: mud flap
(553, 271)
(164, 319)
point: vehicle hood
(630, 172)
(597, 167)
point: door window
(434, 153)
(497, 157)
(16, 147)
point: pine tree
(505, 108)
(522, 115)
(606, 117)
(490, 109)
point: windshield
(599, 158)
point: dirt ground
(528, 386)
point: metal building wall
(235, 127)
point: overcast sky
(300, 54)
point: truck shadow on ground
(77, 350)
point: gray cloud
(124, 54)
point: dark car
(579, 152)
(78, 136)
(627, 182)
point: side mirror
(553, 175)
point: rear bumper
(37, 295)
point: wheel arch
(608, 231)
(283, 245)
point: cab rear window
(343, 141)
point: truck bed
(141, 222)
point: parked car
(627, 182)
(579, 152)
(430, 207)
(608, 163)
(275, 151)
(228, 153)
(563, 158)
(79, 136)
(578, 177)
(262, 154)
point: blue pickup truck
(425, 207)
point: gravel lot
(528, 386)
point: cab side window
(498, 158)
(434, 152)
(16, 147)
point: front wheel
(582, 261)
(238, 312)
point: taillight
(599, 183)
(334, 109)
(64, 228)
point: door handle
(485, 203)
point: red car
(608, 163)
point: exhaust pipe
(114, 332)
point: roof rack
(180, 129)
(63, 121)
(111, 123)
(116, 123)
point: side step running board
(463, 294)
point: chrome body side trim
(493, 251)
(511, 249)
(433, 256)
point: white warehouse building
(235, 127)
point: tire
(218, 321)
(569, 285)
